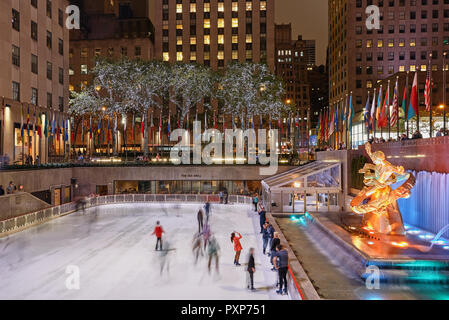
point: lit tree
(189, 85)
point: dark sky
(308, 18)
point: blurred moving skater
(207, 209)
(251, 269)
(158, 231)
(262, 218)
(197, 246)
(213, 251)
(199, 216)
(235, 238)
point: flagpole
(444, 93)
(430, 94)
(397, 107)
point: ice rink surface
(114, 251)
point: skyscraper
(212, 32)
(409, 30)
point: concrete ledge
(306, 286)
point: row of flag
(42, 126)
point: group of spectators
(10, 189)
(271, 244)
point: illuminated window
(165, 25)
(207, 7)
(391, 43)
(423, 67)
(235, 6)
(263, 5)
(83, 52)
(193, 7)
(235, 38)
(401, 68)
(220, 55)
(71, 87)
(206, 55)
(179, 25)
(84, 69)
(369, 43)
(235, 22)
(192, 40)
(249, 38)
(401, 42)
(249, 6)
(369, 84)
(193, 56)
(179, 8)
(380, 43)
(179, 56)
(166, 56)
(179, 40)
(413, 68)
(221, 23)
(220, 39)
(249, 54)
(206, 23)
(206, 39)
(235, 54)
(412, 42)
(220, 7)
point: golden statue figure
(378, 201)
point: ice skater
(262, 218)
(213, 252)
(199, 217)
(274, 243)
(197, 246)
(265, 236)
(81, 204)
(235, 239)
(206, 233)
(280, 260)
(158, 231)
(251, 269)
(207, 209)
(255, 202)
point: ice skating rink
(112, 248)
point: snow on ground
(113, 248)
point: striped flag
(373, 110)
(394, 111)
(366, 112)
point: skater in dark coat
(265, 236)
(199, 216)
(280, 260)
(251, 269)
(274, 243)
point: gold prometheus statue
(378, 201)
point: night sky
(308, 18)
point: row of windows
(391, 28)
(34, 33)
(35, 63)
(84, 52)
(424, 55)
(401, 3)
(401, 43)
(35, 96)
(220, 7)
(220, 55)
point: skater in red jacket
(235, 238)
(158, 231)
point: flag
(142, 124)
(383, 121)
(39, 125)
(134, 136)
(427, 89)
(413, 106)
(168, 129)
(28, 120)
(151, 127)
(21, 121)
(160, 126)
(45, 125)
(351, 113)
(35, 122)
(373, 110)
(82, 129)
(394, 111)
(90, 127)
(107, 136)
(379, 105)
(53, 125)
(366, 112)
(404, 102)
(332, 122)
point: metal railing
(27, 220)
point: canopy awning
(315, 177)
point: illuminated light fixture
(297, 184)
(402, 244)
(370, 242)
(441, 106)
(446, 247)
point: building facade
(112, 30)
(291, 63)
(34, 64)
(409, 31)
(212, 32)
